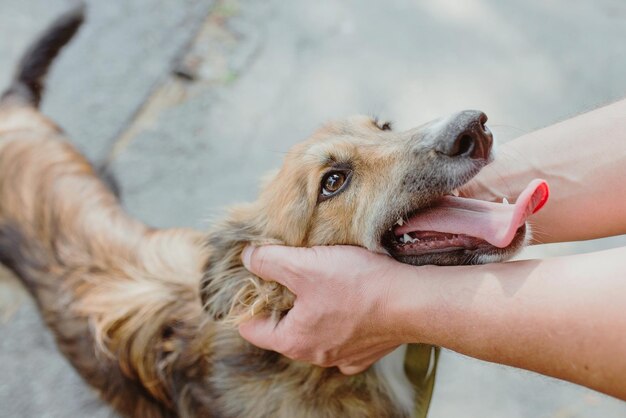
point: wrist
(416, 304)
(436, 304)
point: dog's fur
(145, 315)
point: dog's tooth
(400, 222)
(455, 192)
(505, 201)
(407, 238)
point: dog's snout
(467, 136)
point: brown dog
(146, 315)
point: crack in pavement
(217, 53)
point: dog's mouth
(464, 227)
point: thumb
(354, 369)
(276, 263)
(364, 363)
(261, 331)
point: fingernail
(246, 255)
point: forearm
(562, 317)
(584, 161)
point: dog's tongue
(495, 223)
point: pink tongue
(495, 223)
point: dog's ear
(282, 215)
(228, 291)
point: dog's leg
(121, 298)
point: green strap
(420, 366)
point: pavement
(193, 100)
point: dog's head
(358, 182)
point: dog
(146, 315)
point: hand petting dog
(352, 334)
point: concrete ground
(193, 100)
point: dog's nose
(466, 136)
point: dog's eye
(333, 182)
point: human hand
(341, 315)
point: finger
(262, 332)
(276, 263)
(357, 366)
(354, 369)
(357, 353)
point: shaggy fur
(145, 315)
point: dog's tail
(28, 82)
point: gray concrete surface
(266, 73)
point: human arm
(562, 317)
(583, 160)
